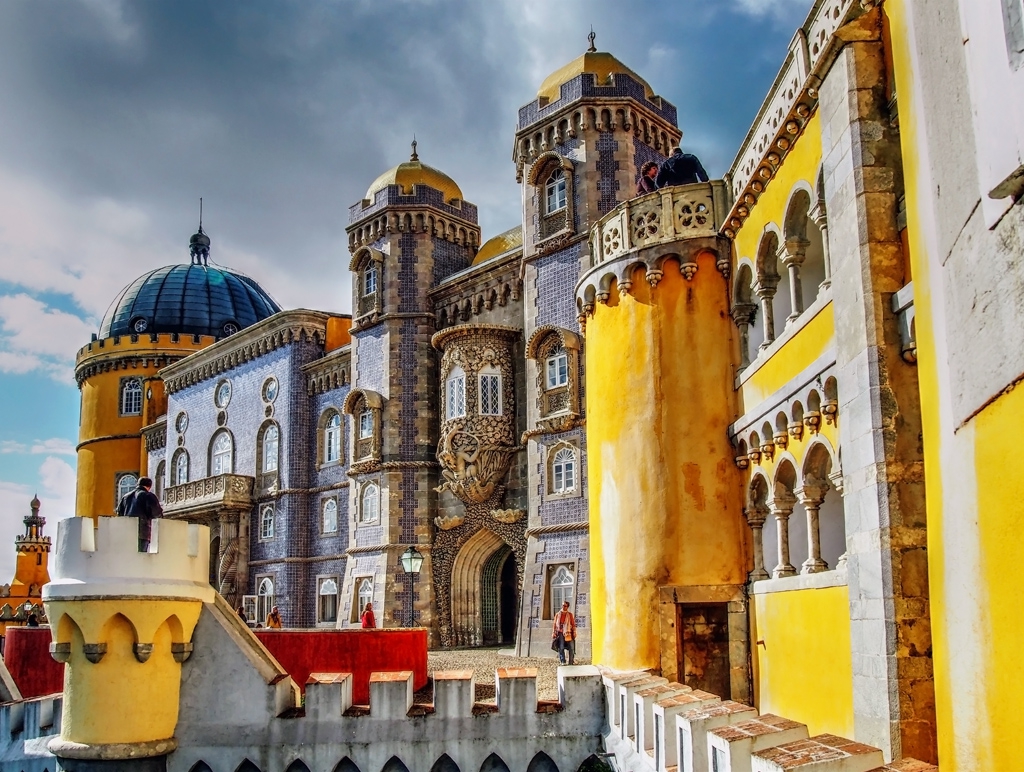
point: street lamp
(412, 561)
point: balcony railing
(670, 214)
(209, 495)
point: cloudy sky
(115, 117)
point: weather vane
(592, 37)
(414, 156)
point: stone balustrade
(225, 491)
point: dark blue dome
(188, 299)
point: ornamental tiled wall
(555, 288)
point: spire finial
(200, 214)
(199, 244)
(414, 156)
(592, 37)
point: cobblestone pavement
(483, 663)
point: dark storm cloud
(281, 114)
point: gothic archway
(475, 588)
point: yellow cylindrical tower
(665, 496)
(122, 622)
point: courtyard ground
(483, 663)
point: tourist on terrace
(648, 175)
(367, 619)
(564, 632)
(143, 504)
(681, 169)
(274, 619)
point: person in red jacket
(565, 625)
(367, 618)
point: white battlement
(102, 559)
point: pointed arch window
(221, 454)
(271, 444)
(332, 439)
(562, 584)
(455, 394)
(330, 516)
(327, 601)
(131, 396)
(369, 509)
(554, 191)
(364, 595)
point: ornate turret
(23, 594)
(33, 539)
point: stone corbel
(61, 652)
(830, 409)
(625, 286)
(768, 449)
(755, 456)
(723, 265)
(796, 430)
(181, 651)
(688, 269)
(812, 420)
(94, 651)
(142, 651)
(836, 478)
(781, 440)
(654, 276)
(742, 462)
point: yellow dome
(500, 244)
(412, 172)
(600, 64)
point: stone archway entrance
(480, 599)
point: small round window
(223, 394)
(230, 328)
(181, 422)
(270, 389)
(139, 324)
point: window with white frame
(271, 439)
(370, 279)
(158, 482)
(563, 471)
(369, 508)
(561, 585)
(327, 600)
(490, 392)
(264, 599)
(131, 396)
(455, 394)
(221, 453)
(332, 439)
(364, 595)
(330, 516)
(554, 191)
(365, 424)
(179, 472)
(267, 521)
(126, 483)
(557, 368)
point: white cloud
(56, 493)
(770, 7)
(34, 337)
(55, 445)
(10, 446)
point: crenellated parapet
(126, 352)
(122, 623)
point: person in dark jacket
(681, 169)
(143, 504)
(646, 183)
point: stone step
(823, 753)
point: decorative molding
(306, 559)
(330, 372)
(106, 437)
(155, 435)
(209, 496)
(449, 522)
(412, 218)
(543, 530)
(123, 361)
(508, 515)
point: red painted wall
(27, 656)
(359, 652)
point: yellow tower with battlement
(122, 623)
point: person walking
(274, 619)
(143, 504)
(367, 619)
(681, 169)
(648, 176)
(564, 629)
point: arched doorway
(508, 599)
(480, 605)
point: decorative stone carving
(508, 515)
(209, 494)
(688, 269)
(449, 522)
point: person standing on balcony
(143, 504)
(648, 174)
(367, 619)
(564, 630)
(681, 169)
(274, 619)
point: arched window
(327, 601)
(264, 598)
(267, 522)
(370, 503)
(490, 392)
(554, 191)
(364, 595)
(221, 452)
(562, 584)
(332, 439)
(563, 471)
(330, 516)
(557, 369)
(270, 448)
(370, 279)
(131, 396)
(179, 472)
(365, 424)
(455, 394)
(126, 483)
(158, 483)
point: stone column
(781, 505)
(227, 561)
(765, 291)
(743, 316)
(812, 494)
(756, 517)
(819, 218)
(884, 496)
(792, 254)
